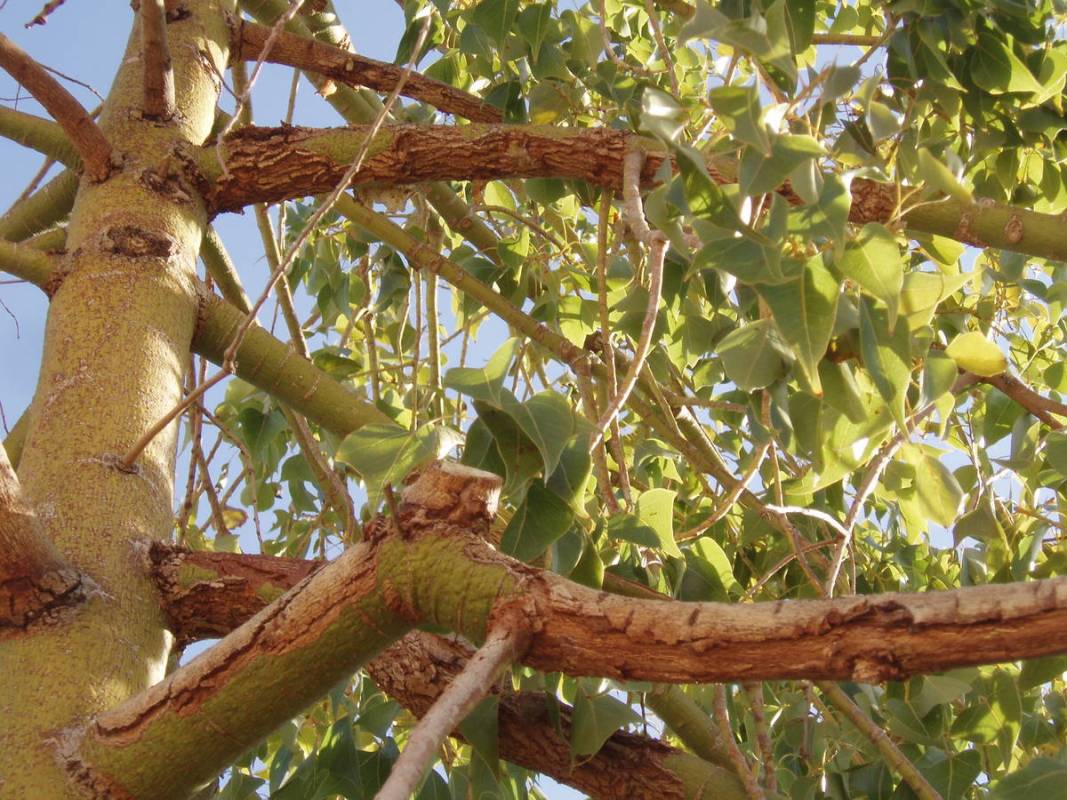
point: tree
(771, 460)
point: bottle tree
(668, 405)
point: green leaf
(804, 313)
(547, 419)
(996, 68)
(533, 23)
(629, 528)
(937, 492)
(541, 519)
(738, 107)
(596, 717)
(973, 352)
(385, 453)
(480, 729)
(887, 356)
(1042, 777)
(759, 174)
(655, 508)
(496, 18)
(873, 261)
(936, 174)
(751, 357)
(484, 383)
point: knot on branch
(446, 492)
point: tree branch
(155, 57)
(272, 164)
(39, 134)
(506, 642)
(44, 207)
(36, 584)
(1041, 407)
(88, 139)
(354, 70)
(203, 715)
(209, 594)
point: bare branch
(155, 57)
(355, 70)
(92, 145)
(502, 647)
(657, 247)
(1041, 407)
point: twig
(664, 51)
(87, 138)
(1038, 405)
(346, 67)
(45, 13)
(276, 30)
(870, 478)
(502, 647)
(155, 57)
(763, 739)
(731, 497)
(657, 244)
(737, 758)
(603, 213)
(899, 762)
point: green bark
(116, 349)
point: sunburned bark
(203, 593)
(355, 70)
(271, 164)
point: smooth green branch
(39, 134)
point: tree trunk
(116, 350)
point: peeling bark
(355, 70)
(271, 164)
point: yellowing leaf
(975, 353)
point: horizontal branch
(1040, 406)
(210, 594)
(866, 638)
(272, 164)
(354, 70)
(415, 669)
(43, 208)
(863, 638)
(87, 138)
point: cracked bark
(271, 164)
(355, 70)
(36, 584)
(203, 593)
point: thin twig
(896, 759)
(502, 647)
(664, 51)
(657, 244)
(737, 758)
(763, 739)
(731, 497)
(155, 58)
(87, 138)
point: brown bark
(36, 584)
(270, 164)
(92, 145)
(355, 70)
(202, 593)
(415, 670)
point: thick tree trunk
(117, 346)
